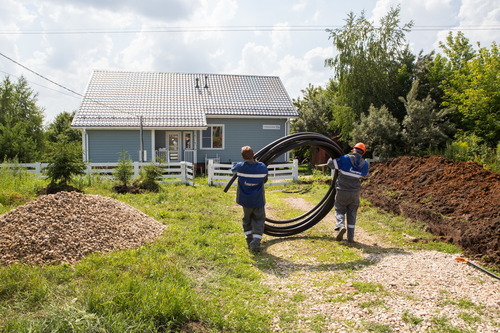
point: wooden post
(136, 169)
(295, 170)
(183, 173)
(210, 172)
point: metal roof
(167, 100)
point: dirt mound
(64, 227)
(458, 200)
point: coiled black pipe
(283, 228)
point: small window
(212, 137)
(188, 144)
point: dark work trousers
(346, 205)
(253, 222)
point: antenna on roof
(206, 81)
(197, 83)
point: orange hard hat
(360, 146)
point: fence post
(295, 170)
(183, 172)
(136, 169)
(210, 172)
(89, 169)
(38, 169)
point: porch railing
(166, 156)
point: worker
(251, 196)
(350, 168)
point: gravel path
(424, 291)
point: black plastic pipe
(283, 228)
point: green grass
(199, 273)
(411, 319)
(17, 188)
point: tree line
(23, 136)
(399, 103)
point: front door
(173, 140)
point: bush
(471, 149)
(65, 161)
(149, 178)
(123, 173)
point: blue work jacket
(251, 178)
(351, 168)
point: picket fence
(180, 172)
(279, 174)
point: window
(188, 144)
(212, 137)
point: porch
(174, 147)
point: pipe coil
(289, 227)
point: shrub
(123, 173)
(149, 178)
(65, 161)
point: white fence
(279, 174)
(181, 172)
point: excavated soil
(64, 227)
(459, 201)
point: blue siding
(107, 145)
(242, 132)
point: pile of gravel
(64, 227)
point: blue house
(177, 117)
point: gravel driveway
(424, 291)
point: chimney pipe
(197, 84)
(206, 81)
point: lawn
(197, 277)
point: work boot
(249, 239)
(254, 245)
(350, 235)
(340, 235)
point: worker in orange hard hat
(351, 168)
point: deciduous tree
(21, 122)
(373, 63)
(60, 128)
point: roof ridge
(181, 73)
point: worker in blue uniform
(351, 168)
(252, 175)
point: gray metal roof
(118, 99)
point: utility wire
(40, 75)
(37, 84)
(74, 92)
(222, 29)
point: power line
(40, 75)
(304, 28)
(40, 85)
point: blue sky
(65, 40)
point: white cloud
(297, 57)
(257, 59)
(299, 6)
(480, 13)
(280, 36)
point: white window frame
(191, 134)
(212, 141)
